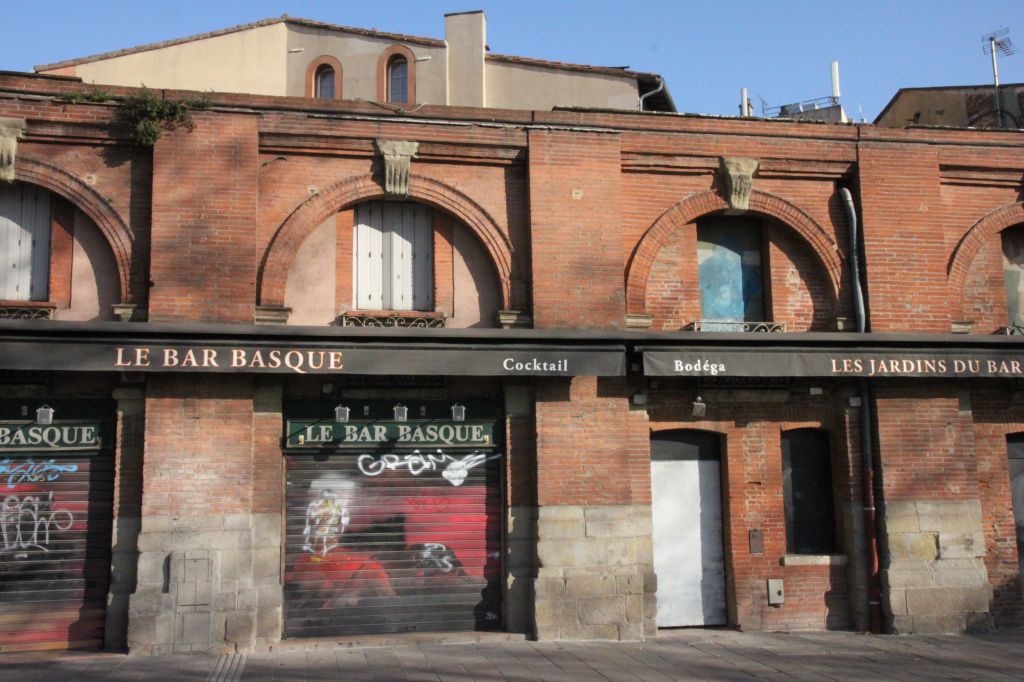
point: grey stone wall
(936, 580)
(595, 576)
(207, 584)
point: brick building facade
(269, 441)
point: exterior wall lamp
(458, 413)
(401, 413)
(44, 415)
(699, 407)
(341, 413)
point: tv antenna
(998, 41)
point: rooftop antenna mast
(997, 41)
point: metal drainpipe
(866, 428)
(661, 86)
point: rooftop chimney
(466, 36)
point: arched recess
(116, 231)
(704, 203)
(314, 211)
(970, 244)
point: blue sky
(706, 50)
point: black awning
(871, 360)
(223, 349)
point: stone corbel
(397, 155)
(11, 130)
(738, 174)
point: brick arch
(314, 211)
(970, 244)
(116, 231)
(704, 203)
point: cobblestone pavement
(674, 655)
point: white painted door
(687, 518)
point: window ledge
(813, 560)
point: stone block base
(206, 585)
(595, 578)
(936, 580)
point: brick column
(209, 563)
(934, 578)
(595, 578)
(127, 512)
(205, 213)
(576, 230)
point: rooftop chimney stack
(465, 34)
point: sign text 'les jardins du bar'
(820, 363)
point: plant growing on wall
(148, 116)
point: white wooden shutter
(423, 260)
(24, 243)
(369, 257)
(394, 257)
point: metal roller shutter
(55, 521)
(391, 539)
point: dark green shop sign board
(319, 434)
(18, 436)
(817, 363)
(408, 360)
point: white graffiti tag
(454, 470)
(31, 471)
(26, 522)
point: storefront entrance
(56, 489)
(687, 528)
(392, 526)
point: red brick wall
(576, 230)
(985, 291)
(994, 419)
(205, 213)
(199, 446)
(925, 444)
(905, 247)
(591, 448)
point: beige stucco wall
(310, 289)
(359, 56)
(251, 61)
(517, 86)
(94, 277)
(477, 300)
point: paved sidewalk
(674, 655)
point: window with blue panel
(731, 273)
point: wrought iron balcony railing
(420, 320)
(1011, 330)
(17, 312)
(735, 326)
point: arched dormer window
(396, 75)
(323, 78)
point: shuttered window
(394, 257)
(24, 243)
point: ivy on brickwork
(145, 114)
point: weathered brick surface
(580, 228)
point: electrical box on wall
(776, 594)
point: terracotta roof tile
(397, 37)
